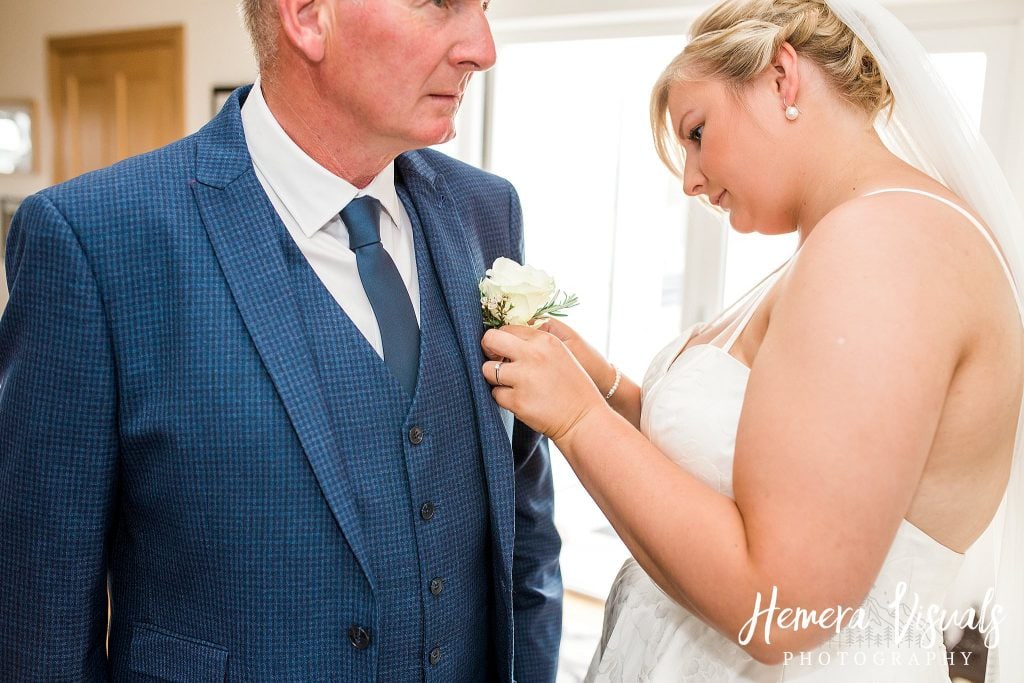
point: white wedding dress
(691, 401)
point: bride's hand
(539, 380)
(601, 372)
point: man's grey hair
(261, 20)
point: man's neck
(303, 118)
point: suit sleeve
(58, 455)
(536, 577)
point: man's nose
(475, 50)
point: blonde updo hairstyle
(737, 40)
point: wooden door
(114, 95)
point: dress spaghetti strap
(974, 221)
(750, 302)
(747, 314)
(753, 300)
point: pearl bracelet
(615, 385)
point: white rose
(525, 289)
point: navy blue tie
(384, 287)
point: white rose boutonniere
(514, 294)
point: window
(571, 130)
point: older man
(239, 387)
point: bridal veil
(929, 129)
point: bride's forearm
(626, 397)
(660, 511)
(626, 401)
(690, 539)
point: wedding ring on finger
(497, 373)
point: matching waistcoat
(417, 479)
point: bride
(798, 480)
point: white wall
(216, 52)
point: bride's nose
(694, 182)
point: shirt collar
(311, 194)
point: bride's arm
(626, 399)
(840, 412)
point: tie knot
(362, 218)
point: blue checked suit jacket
(147, 358)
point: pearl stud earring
(792, 113)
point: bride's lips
(717, 199)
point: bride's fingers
(490, 355)
(498, 373)
(557, 328)
(503, 397)
(521, 331)
(498, 344)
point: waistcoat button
(359, 637)
(416, 436)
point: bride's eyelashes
(695, 134)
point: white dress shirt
(308, 198)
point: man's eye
(696, 134)
(484, 4)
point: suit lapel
(245, 232)
(460, 265)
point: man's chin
(440, 138)
(428, 133)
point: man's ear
(787, 74)
(306, 25)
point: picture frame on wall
(19, 136)
(8, 207)
(220, 95)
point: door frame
(59, 47)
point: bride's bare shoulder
(901, 259)
(906, 235)
(906, 267)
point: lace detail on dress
(698, 653)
